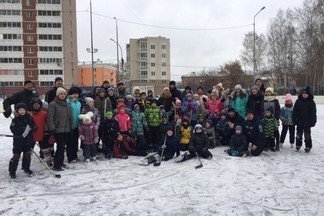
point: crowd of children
(117, 125)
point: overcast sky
(188, 48)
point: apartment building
(148, 63)
(102, 72)
(38, 42)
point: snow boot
(13, 164)
(28, 171)
(298, 148)
(291, 145)
(25, 165)
(151, 159)
(307, 149)
(12, 175)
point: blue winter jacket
(239, 105)
(286, 115)
(76, 109)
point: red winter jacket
(124, 122)
(90, 133)
(125, 147)
(40, 119)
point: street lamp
(254, 60)
(117, 44)
(121, 51)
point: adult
(136, 93)
(105, 85)
(121, 90)
(166, 99)
(234, 119)
(258, 82)
(255, 102)
(200, 92)
(25, 96)
(238, 102)
(254, 133)
(51, 94)
(60, 123)
(304, 116)
(176, 94)
(220, 89)
(186, 91)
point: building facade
(102, 72)
(148, 63)
(38, 42)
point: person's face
(21, 111)
(254, 91)
(153, 105)
(198, 130)
(136, 107)
(267, 113)
(36, 106)
(91, 104)
(169, 133)
(102, 94)
(121, 87)
(189, 98)
(120, 137)
(111, 93)
(185, 123)
(231, 114)
(122, 110)
(188, 90)
(207, 125)
(59, 83)
(171, 86)
(109, 116)
(237, 91)
(62, 96)
(143, 96)
(250, 116)
(29, 87)
(75, 96)
(288, 103)
(196, 98)
(223, 117)
(267, 93)
(258, 82)
(87, 121)
(166, 91)
(305, 95)
(200, 91)
(129, 100)
(238, 132)
(106, 85)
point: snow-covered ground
(282, 183)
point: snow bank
(282, 183)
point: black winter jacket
(254, 133)
(255, 104)
(199, 142)
(50, 95)
(23, 96)
(238, 143)
(18, 126)
(304, 112)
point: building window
(163, 64)
(152, 46)
(152, 64)
(153, 55)
(29, 2)
(30, 73)
(30, 61)
(144, 73)
(30, 49)
(152, 73)
(163, 46)
(30, 37)
(163, 55)
(163, 73)
(163, 82)
(29, 14)
(29, 26)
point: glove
(7, 113)
(27, 130)
(96, 140)
(81, 137)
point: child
(40, 118)
(198, 145)
(185, 133)
(89, 107)
(123, 119)
(255, 102)
(223, 130)
(171, 145)
(238, 103)
(190, 109)
(210, 132)
(22, 127)
(110, 131)
(154, 119)
(143, 102)
(287, 123)
(138, 124)
(125, 145)
(270, 126)
(238, 144)
(304, 116)
(129, 102)
(103, 104)
(88, 134)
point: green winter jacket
(153, 116)
(271, 124)
(138, 122)
(239, 105)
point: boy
(110, 131)
(270, 126)
(154, 120)
(238, 144)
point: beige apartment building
(38, 42)
(148, 63)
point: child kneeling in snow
(238, 144)
(125, 145)
(198, 145)
(171, 145)
(88, 133)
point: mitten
(7, 113)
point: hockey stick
(200, 164)
(163, 147)
(46, 166)
(6, 135)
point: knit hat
(58, 79)
(153, 100)
(111, 89)
(230, 110)
(209, 121)
(36, 100)
(20, 105)
(306, 90)
(120, 84)
(238, 128)
(238, 86)
(88, 100)
(74, 90)
(172, 82)
(129, 97)
(136, 89)
(198, 126)
(220, 85)
(288, 97)
(27, 82)
(109, 113)
(87, 116)
(60, 90)
(255, 87)
(149, 91)
(270, 90)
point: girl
(123, 119)
(287, 123)
(239, 100)
(190, 109)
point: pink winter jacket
(89, 131)
(214, 107)
(124, 122)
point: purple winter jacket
(89, 131)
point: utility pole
(254, 59)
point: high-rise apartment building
(148, 63)
(38, 42)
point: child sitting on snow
(125, 145)
(185, 132)
(238, 144)
(171, 145)
(88, 133)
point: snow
(282, 183)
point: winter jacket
(113, 101)
(138, 122)
(236, 120)
(271, 124)
(125, 147)
(23, 96)
(199, 142)
(59, 116)
(18, 127)
(103, 105)
(190, 109)
(272, 104)
(153, 116)
(96, 115)
(40, 119)
(239, 104)
(172, 147)
(238, 143)
(166, 102)
(76, 110)
(254, 133)
(304, 111)
(255, 104)
(121, 94)
(90, 133)
(210, 133)
(286, 115)
(50, 95)
(214, 107)
(185, 134)
(176, 94)
(144, 104)
(110, 129)
(222, 127)
(124, 122)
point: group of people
(111, 122)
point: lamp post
(121, 52)
(117, 44)
(254, 60)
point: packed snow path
(282, 183)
